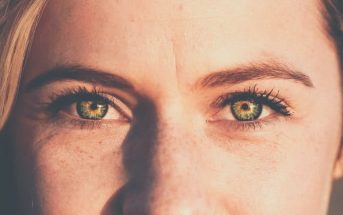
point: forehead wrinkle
(176, 42)
(177, 69)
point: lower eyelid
(67, 121)
(237, 126)
(229, 126)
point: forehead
(178, 37)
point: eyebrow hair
(271, 70)
(253, 71)
(78, 73)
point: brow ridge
(255, 72)
(78, 73)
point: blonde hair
(18, 19)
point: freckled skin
(171, 158)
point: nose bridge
(175, 144)
(174, 188)
(173, 185)
(173, 158)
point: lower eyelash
(78, 123)
(248, 125)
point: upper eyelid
(254, 91)
(83, 91)
(55, 91)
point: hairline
(332, 12)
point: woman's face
(178, 107)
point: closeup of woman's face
(178, 107)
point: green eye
(246, 110)
(94, 110)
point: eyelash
(62, 99)
(67, 97)
(253, 93)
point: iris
(246, 110)
(93, 110)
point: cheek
(69, 167)
(284, 171)
(69, 175)
(304, 170)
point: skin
(179, 154)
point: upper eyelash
(69, 96)
(265, 97)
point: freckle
(180, 7)
(132, 19)
(116, 152)
(79, 150)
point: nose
(174, 180)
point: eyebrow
(254, 71)
(78, 73)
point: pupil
(245, 107)
(94, 106)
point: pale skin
(170, 150)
